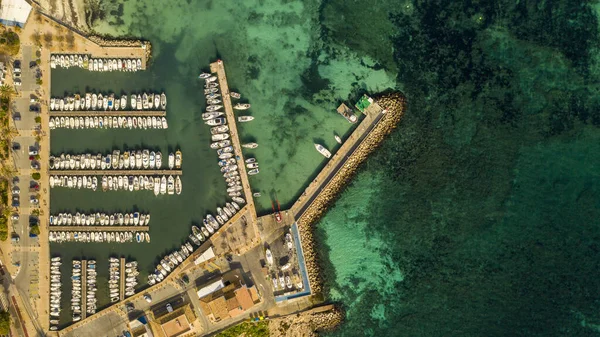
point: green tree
(6, 91)
(38, 119)
(4, 323)
(35, 230)
(36, 176)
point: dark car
(34, 108)
(16, 201)
(16, 116)
(16, 146)
(35, 165)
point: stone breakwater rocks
(306, 323)
(395, 105)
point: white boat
(322, 150)
(158, 160)
(235, 95)
(171, 161)
(163, 185)
(211, 115)
(204, 76)
(163, 101)
(171, 185)
(178, 185)
(338, 139)
(250, 145)
(242, 106)
(269, 256)
(123, 102)
(213, 107)
(178, 159)
(245, 118)
(216, 121)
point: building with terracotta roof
(231, 300)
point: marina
(234, 167)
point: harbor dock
(83, 289)
(116, 172)
(99, 228)
(110, 113)
(122, 280)
(373, 114)
(219, 68)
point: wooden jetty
(122, 280)
(110, 113)
(83, 289)
(116, 172)
(219, 68)
(99, 228)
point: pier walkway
(219, 68)
(122, 280)
(83, 289)
(373, 114)
(99, 228)
(111, 113)
(116, 172)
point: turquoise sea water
(479, 215)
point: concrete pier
(373, 114)
(116, 173)
(111, 113)
(99, 228)
(219, 68)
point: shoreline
(395, 103)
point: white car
(148, 298)
(16, 190)
(15, 216)
(169, 307)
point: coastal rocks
(306, 323)
(394, 103)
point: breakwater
(307, 323)
(394, 104)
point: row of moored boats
(108, 122)
(134, 160)
(94, 64)
(220, 136)
(160, 185)
(55, 292)
(99, 236)
(92, 101)
(114, 278)
(100, 219)
(199, 234)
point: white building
(14, 12)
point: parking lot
(25, 107)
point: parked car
(148, 298)
(15, 216)
(16, 201)
(35, 165)
(33, 151)
(16, 116)
(169, 307)
(34, 200)
(16, 146)
(17, 75)
(16, 190)
(17, 82)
